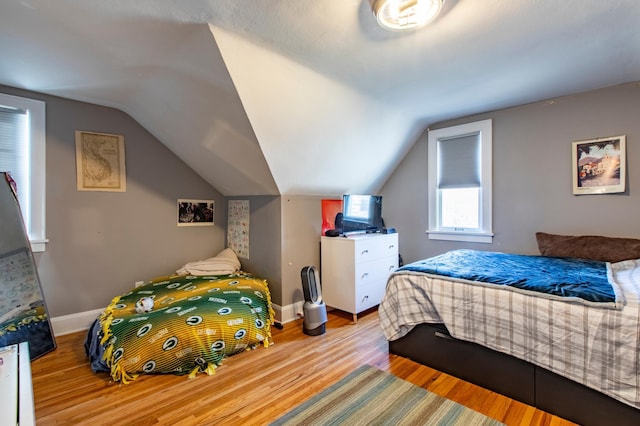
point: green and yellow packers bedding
(31, 324)
(194, 323)
(30, 315)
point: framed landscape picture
(195, 212)
(599, 165)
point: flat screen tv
(361, 213)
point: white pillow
(224, 263)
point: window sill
(471, 237)
(38, 245)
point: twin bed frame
(431, 345)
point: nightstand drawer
(368, 296)
(375, 270)
(383, 246)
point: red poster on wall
(330, 208)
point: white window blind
(459, 162)
(22, 154)
(14, 155)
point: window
(460, 183)
(22, 154)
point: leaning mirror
(23, 313)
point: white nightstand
(355, 269)
(16, 403)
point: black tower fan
(315, 311)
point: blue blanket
(568, 279)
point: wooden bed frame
(431, 345)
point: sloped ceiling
(309, 97)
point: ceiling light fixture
(400, 15)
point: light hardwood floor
(251, 388)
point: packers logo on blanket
(195, 320)
(144, 330)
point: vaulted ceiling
(309, 97)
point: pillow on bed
(593, 247)
(224, 263)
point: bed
(182, 324)
(526, 334)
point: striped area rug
(369, 396)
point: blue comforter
(566, 278)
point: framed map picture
(100, 162)
(599, 165)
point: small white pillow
(224, 263)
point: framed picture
(599, 165)
(100, 162)
(195, 212)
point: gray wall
(100, 243)
(264, 241)
(301, 229)
(284, 237)
(284, 234)
(532, 186)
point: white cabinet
(16, 392)
(355, 269)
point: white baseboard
(80, 321)
(285, 314)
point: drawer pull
(443, 335)
(364, 252)
(365, 275)
(391, 246)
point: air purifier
(315, 311)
